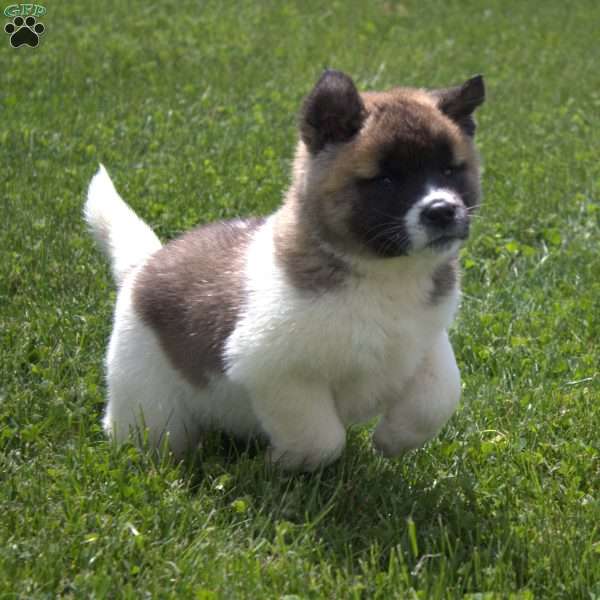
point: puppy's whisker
(394, 220)
(394, 237)
(476, 217)
(387, 215)
(378, 226)
(388, 232)
(381, 230)
(402, 240)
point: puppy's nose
(438, 213)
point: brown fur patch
(445, 279)
(190, 292)
(307, 259)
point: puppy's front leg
(424, 405)
(301, 421)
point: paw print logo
(24, 31)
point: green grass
(192, 108)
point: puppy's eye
(453, 170)
(382, 179)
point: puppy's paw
(385, 446)
(392, 443)
(307, 458)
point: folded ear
(332, 113)
(460, 102)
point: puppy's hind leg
(147, 397)
(424, 405)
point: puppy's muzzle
(444, 220)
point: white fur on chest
(363, 340)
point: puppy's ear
(460, 102)
(332, 113)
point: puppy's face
(392, 173)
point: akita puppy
(328, 312)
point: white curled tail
(121, 234)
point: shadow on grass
(419, 505)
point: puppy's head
(389, 173)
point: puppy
(328, 312)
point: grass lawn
(192, 107)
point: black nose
(438, 213)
